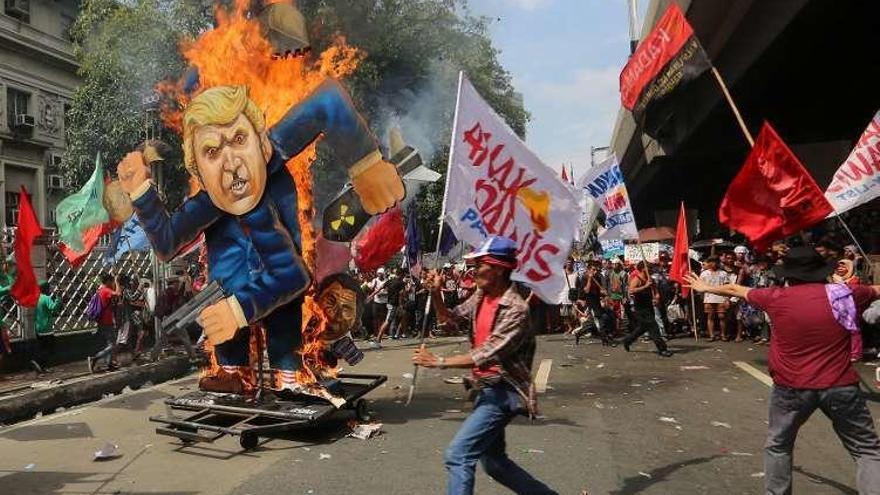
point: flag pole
(733, 107)
(694, 311)
(424, 330)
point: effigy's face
(340, 307)
(231, 161)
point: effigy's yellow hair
(219, 105)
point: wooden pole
(733, 107)
(694, 316)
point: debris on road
(646, 475)
(454, 380)
(533, 451)
(667, 419)
(30, 467)
(366, 431)
(107, 452)
(408, 376)
(692, 368)
(758, 475)
(722, 425)
(324, 456)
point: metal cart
(214, 415)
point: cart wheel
(248, 441)
(361, 412)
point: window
(17, 103)
(20, 9)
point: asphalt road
(613, 423)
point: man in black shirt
(640, 290)
(394, 287)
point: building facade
(38, 74)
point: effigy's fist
(219, 322)
(133, 171)
(378, 186)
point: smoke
(423, 112)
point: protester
(392, 287)
(45, 311)
(715, 305)
(809, 363)
(640, 290)
(378, 294)
(500, 361)
(615, 286)
(107, 292)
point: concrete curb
(89, 388)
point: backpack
(94, 309)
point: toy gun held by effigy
(344, 217)
(189, 313)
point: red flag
(681, 264)
(772, 196)
(564, 175)
(25, 289)
(381, 241)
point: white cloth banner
(604, 183)
(857, 181)
(497, 186)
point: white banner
(857, 181)
(604, 183)
(497, 186)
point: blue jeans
(481, 438)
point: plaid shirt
(511, 344)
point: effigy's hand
(133, 171)
(219, 322)
(378, 185)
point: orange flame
(237, 53)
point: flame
(235, 52)
(538, 205)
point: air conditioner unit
(18, 8)
(56, 182)
(24, 120)
(55, 160)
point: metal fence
(73, 287)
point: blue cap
(496, 247)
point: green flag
(82, 210)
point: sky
(565, 57)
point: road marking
(755, 372)
(543, 375)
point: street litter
(408, 376)
(365, 431)
(719, 423)
(324, 456)
(453, 410)
(693, 368)
(108, 451)
(667, 419)
(758, 475)
(646, 475)
(454, 380)
(600, 365)
(30, 467)
(533, 451)
(725, 390)
(742, 454)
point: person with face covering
(247, 208)
(844, 273)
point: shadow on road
(638, 483)
(826, 481)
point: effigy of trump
(247, 209)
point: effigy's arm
(169, 233)
(328, 110)
(284, 276)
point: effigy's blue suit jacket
(256, 256)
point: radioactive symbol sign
(344, 217)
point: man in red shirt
(108, 289)
(812, 322)
(502, 351)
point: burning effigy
(250, 110)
